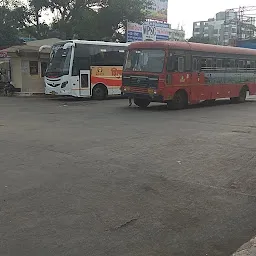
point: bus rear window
(145, 60)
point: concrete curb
(248, 249)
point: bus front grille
(139, 90)
(141, 81)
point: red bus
(182, 73)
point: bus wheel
(179, 101)
(142, 103)
(242, 96)
(99, 92)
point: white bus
(85, 69)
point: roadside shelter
(28, 65)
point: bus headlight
(152, 91)
(126, 89)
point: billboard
(158, 10)
(148, 31)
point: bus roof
(193, 47)
(94, 43)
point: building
(215, 28)
(225, 27)
(27, 65)
(176, 34)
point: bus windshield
(59, 62)
(145, 60)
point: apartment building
(223, 29)
(176, 34)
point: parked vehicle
(85, 69)
(182, 73)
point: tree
(89, 20)
(36, 7)
(11, 20)
(80, 19)
(113, 18)
(18, 20)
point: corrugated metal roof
(34, 46)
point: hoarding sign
(162, 32)
(148, 31)
(134, 32)
(158, 10)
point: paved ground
(99, 178)
(248, 249)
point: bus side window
(232, 63)
(248, 64)
(170, 63)
(241, 64)
(209, 63)
(219, 63)
(236, 64)
(176, 64)
(81, 59)
(226, 63)
(203, 63)
(188, 62)
(252, 65)
(113, 58)
(196, 66)
(181, 64)
(214, 63)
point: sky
(185, 12)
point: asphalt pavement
(83, 177)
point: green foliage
(112, 19)
(104, 22)
(11, 20)
(81, 19)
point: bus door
(85, 83)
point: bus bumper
(54, 91)
(152, 98)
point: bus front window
(145, 60)
(60, 62)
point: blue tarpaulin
(246, 44)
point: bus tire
(179, 101)
(142, 103)
(242, 96)
(99, 92)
